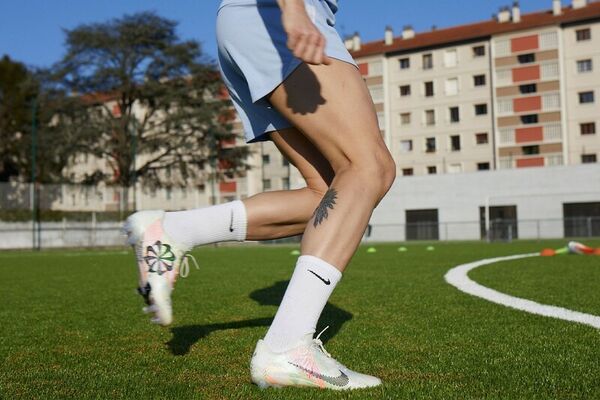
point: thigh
(302, 153)
(332, 107)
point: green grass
(72, 327)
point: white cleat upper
(307, 364)
(159, 260)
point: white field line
(457, 277)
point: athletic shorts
(254, 59)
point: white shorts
(254, 58)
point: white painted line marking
(458, 278)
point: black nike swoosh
(327, 282)
(231, 222)
(339, 381)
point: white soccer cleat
(159, 260)
(308, 364)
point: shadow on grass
(184, 337)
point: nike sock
(220, 223)
(305, 297)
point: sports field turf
(71, 325)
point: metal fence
(92, 233)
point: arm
(304, 39)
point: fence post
(93, 234)
(589, 226)
(537, 227)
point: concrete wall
(538, 193)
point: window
(483, 166)
(428, 89)
(481, 109)
(526, 58)
(266, 184)
(285, 183)
(430, 117)
(452, 87)
(479, 80)
(422, 225)
(405, 90)
(405, 118)
(406, 146)
(583, 34)
(381, 120)
(530, 88)
(404, 63)
(432, 170)
(266, 159)
(376, 93)
(586, 97)
(481, 138)
(584, 66)
(455, 143)
(375, 68)
(478, 51)
(531, 150)
(450, 58)
(454, 168)
(407, 172)
(430, 145)
(427, 61)
(529, 119)
(285, 162)
(589, 128)
(588, 158)
(454, 114)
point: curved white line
(457, 277)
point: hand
(304, 39)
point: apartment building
(516, 91)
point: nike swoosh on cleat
(339, 381)
(327, 282)
(231, 222)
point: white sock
(305, 297)
(220, 223)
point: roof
(479, 30)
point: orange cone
(548, 253)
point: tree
(143, 100)
(20, 100)
(14, 101)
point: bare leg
(280, 214)
(332, 107)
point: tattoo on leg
(321, 213)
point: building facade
(514, 92)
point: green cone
(371, 250)
(430, 248)
(402, 249)
(295, 252)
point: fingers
(309, 47)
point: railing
(69, 234)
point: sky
(32, 31)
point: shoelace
(184, 269)
(317, 341)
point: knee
(385, 173)
(375, 171)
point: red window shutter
(524, 135)
(525, 43)
(530, 162)
(364, 68)
(527, 104)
